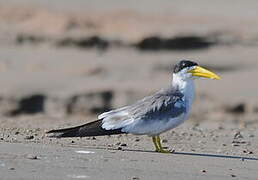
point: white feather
(115, 119)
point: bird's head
(186, 70)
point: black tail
(90, 129)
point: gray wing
(163, 105)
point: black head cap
(183, 64)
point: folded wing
(163, 105)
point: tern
(152, 115)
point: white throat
(185, 86)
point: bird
(152, 115)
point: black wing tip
(54, 131)
(86, 130)
(51, 131)
(53, 134)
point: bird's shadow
(216, 156)
(181, 153)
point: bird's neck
(186, 87)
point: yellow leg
(161, 149)
(154, 139)
(158, 146)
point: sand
(30, 161)
(64, 63)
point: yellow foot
(164, 151)
(158, 146)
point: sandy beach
(62, 63)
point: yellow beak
(201, 72)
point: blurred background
(64, 61)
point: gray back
(162, 105)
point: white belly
(155, 127)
